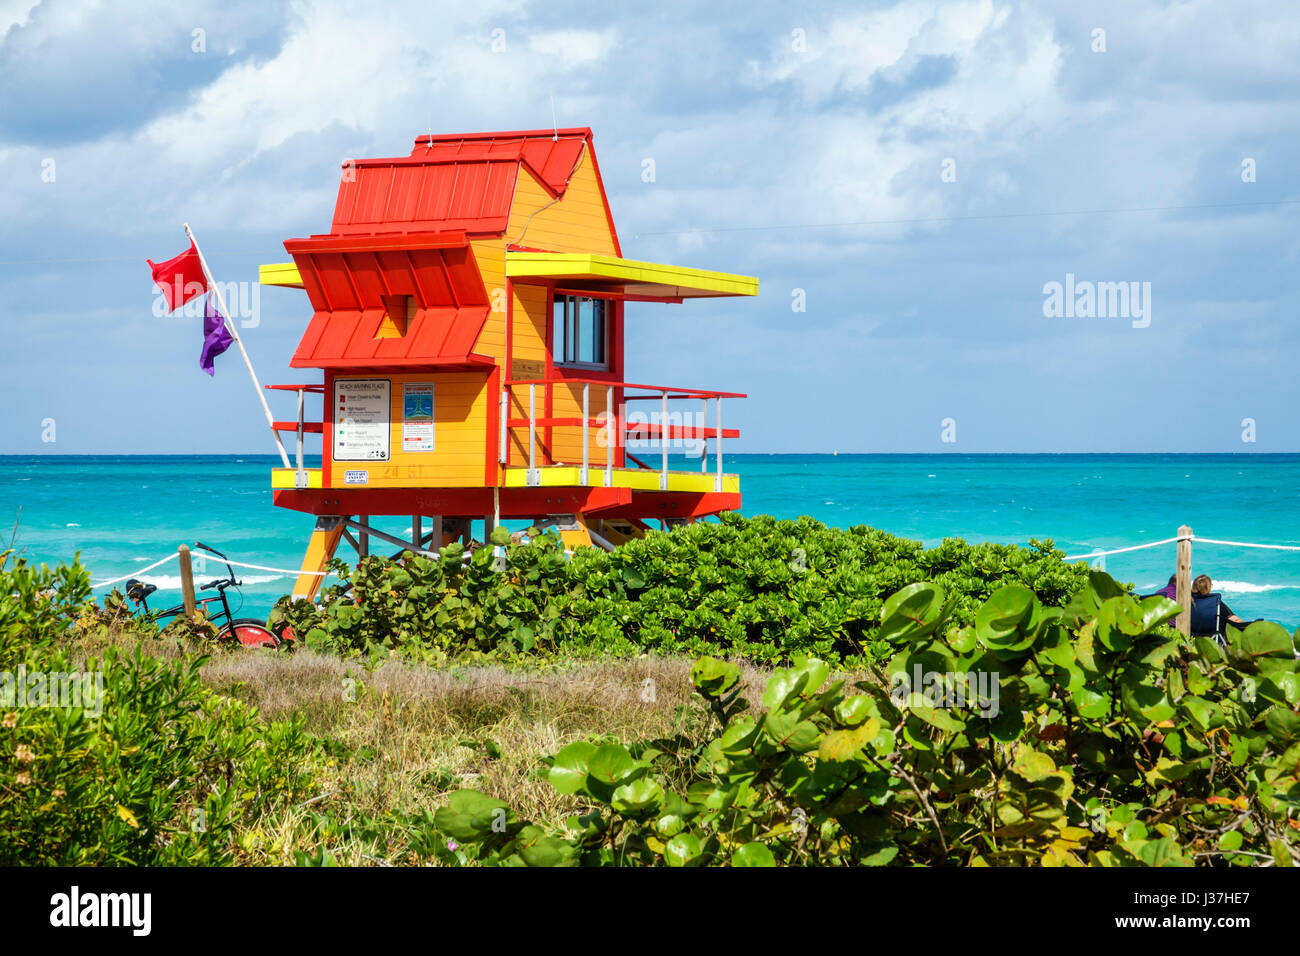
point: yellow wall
(576, 223)
(566, 446)
(460, 410)
(488, 255)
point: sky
(906, 179)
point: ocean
(123, 512)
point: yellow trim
(566, 476)
(649, 278)
(280, 273)
(638, 479)
(283, 478)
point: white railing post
(534, 476)
(663, 442)
(505, 405)
(611, 436)
(300, 477)
(704, 441)
(717, 482)
(586, 446)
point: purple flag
(216, 337)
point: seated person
(1210, 615)
(1170, 590)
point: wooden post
(187, 580)
(1183, 586)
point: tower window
(581, 327)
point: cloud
(574, 47)
(760, 148)
(76, 72)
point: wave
(1232, 587)
(1246, 587)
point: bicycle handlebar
(204, 547)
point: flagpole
(221, 301)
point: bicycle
(248, 631)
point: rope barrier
(104, 584)
(238, 564)
(259, 567)
(1190, 537)
(1073, 557)
(1244, 544)
(1136, 547)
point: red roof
(460, 182)
(402, 227)
(346, 339)
(347, 287)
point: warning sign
(362, 419)
(417, 417)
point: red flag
(181, 278)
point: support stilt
(320, 549)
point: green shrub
(1112, 743)
(147, 768)
(758, 588)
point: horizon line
(756, 454)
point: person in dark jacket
(1202, 587)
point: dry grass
(412, 733)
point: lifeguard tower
(468, 313)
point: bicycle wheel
(249, 632)
(284, 635)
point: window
(581, 331)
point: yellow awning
(280, 273)
(584, 270)
(590, 271)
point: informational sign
(417, 417)
(362, 419)
(523, 370)
(351, 477)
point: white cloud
(15, 13)
(574, 47)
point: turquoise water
(123, 512)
